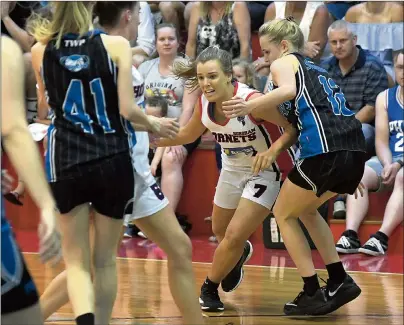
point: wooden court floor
(144, 296)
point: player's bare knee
(280, 216)
(170, 163)
(218, 230)
(184, 247)
(101, 261)
(234, 239)
(308, 217)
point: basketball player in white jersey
(242, 199)
(151, 211)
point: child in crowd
(243, 72)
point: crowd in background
(358, 43)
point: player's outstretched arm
(21, 148)
(187, 134)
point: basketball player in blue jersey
(382, 172)
(332, 161)
(242, 200)
(87, 76)
(151, 212)
(19, 297)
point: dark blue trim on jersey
(268, 143)
(91, 33)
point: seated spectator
(257, 13)
(379, 26)
(243, 72)
(145, 43)
(338, 9)
(313, 20)
(159, 81)
(171, 12)
(382, 171)
(158, 107)
(14, 16)
(187, 13)
(361, 77)
(226, 24)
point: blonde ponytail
(67, 17)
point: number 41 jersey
(81, 81)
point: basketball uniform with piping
(395, 112)
(240, 139)
(148, 198)
(332, 145)
(88, 157)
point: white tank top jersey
(242, 137)
(141, 149)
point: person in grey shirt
(159, 81)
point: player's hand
(49, 238)
(262, 161)
(164, 127)
(179, 152)
(389, 173)
(359, 190)
(235, 107)
(6, 182)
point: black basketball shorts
(339, 172)
(107, 183)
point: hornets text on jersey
(241, 138)
(81, 82)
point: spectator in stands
(361, 77)
(158, 107)
(16, 18)
(159, 81)
(257, 13)
(379, 27)
(13, 20)
(171, 12)
(338, 9)
(313, 20)
(243, 72)
(382, 171)
(146, 40)
(226, 24)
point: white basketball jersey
(141, 149)
(240, 138)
